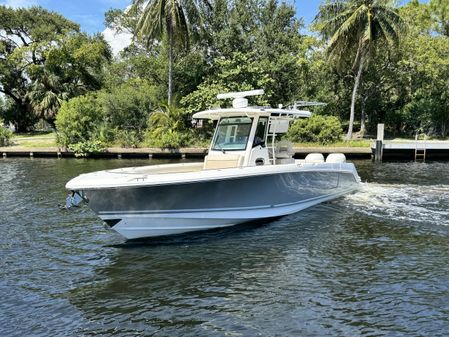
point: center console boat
(247, 175)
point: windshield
(232, 134)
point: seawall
(156, 153)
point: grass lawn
(34, 139)
(48, 139)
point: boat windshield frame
(227, 125)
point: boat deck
(161, 169)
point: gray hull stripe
(327, 196)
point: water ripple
(370, 264)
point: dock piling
(378, 154)
(379, 151)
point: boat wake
(413, 203)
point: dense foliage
(317, 129)
(368, 59)
(115, 116)
(5, 135)
(81, 119)
(84, 149)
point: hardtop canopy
(216, 114)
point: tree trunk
(354, 95)
(363, 119)
(24, 117)
(170, 63)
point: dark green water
(371, 264)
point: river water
(370, 264)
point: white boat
(247, 175)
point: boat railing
(279, 151)
(271, 145)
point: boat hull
(158, 210)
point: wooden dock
(392, 150)
(156, 153)
(113, 152)
(419, 150)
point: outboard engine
(314, 158)
(336, 158)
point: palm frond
(389, 33)
(348, 31)
(331, 25)
(157, 15)
(369, 31)
(392, 16)
(346, 23)
(181, 26)
(151, 22)
(331, 9)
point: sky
(90, 13)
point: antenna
(241, 94)
(239, 98)
(305, 103)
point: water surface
(370, 264)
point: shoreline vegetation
(47, 141)
(372, 62)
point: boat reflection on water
(260, 280)
(195, 284)
(247, 175)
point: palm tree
(46, 96)
(167, 127)
(171, 17)
(358, 26)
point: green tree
(171, 18)
(74, 65)
(358, 27)
(408, 89)
(240, 72)
(426, 63)
(24, 34)
(79, 120)
(254, 44)
(418, 17)
(43, 57)
(127, 108)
